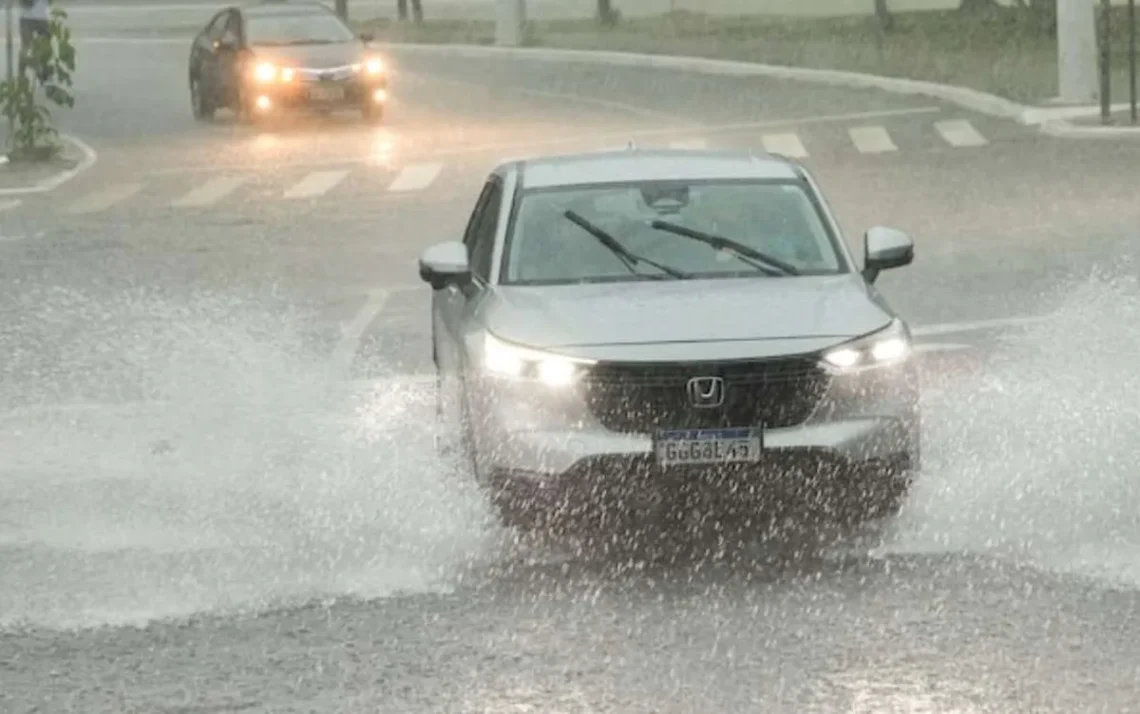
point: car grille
(640, 398)
(327, 74)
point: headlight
(265, 72)
(888, 346)
(372, 65)
(510, 360)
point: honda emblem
(705, 392)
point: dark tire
(200, 104)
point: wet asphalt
(185, 529)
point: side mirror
(445, 264)
(884, 249)
(366, 37)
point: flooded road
(220, 491)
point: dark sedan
(260, 60)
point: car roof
(633, 164)
(283, 7)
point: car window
(476, 213)
(482, 245)
(232, 31)
(217, 26)
(300, 28)
(776, 218)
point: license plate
(708, 446)
(326, 94)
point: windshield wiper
(629, 259)
(761, 261)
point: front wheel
(200, 103)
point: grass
(1004, 51)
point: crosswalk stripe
(694, 144)
(10, 204)
(786, 144)
(105, 198)
(960, 132)
(415, 177)
(211, 192)
(871, 139)
(315, 184)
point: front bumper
(349, 93)
(547, 444)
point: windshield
(303, 28)
(776, 219)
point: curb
(53, 182)
(1066, 129)
(1050, 120)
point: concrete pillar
(1077, 76)
(510, 22)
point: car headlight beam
(886, 347)
(507, 360)
(265, 72)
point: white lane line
(10, 204)
(952, 328)
(351, 333)
(416, 177)
(871, 139)
(960, 133)
(572, 141)
(103, 199)
(692, 144)
(210, 192)
(315, 184)
(938, 347)
(786, 144)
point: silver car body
(525, 430)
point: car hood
(749, 316)
(313, 56)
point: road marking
(56, 180)
(315, 184)
(573, 141)
(351, 333)
(960, 132)
(211, 192)
(871, 139)
(786, 144)
(691, 144)
(415, 177)
(105, 198)
(951, 328)
(938, 347)
(9, 204)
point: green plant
(45, 69)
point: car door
(228, 58)
(203, 52)
(456, 306)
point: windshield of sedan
(670, 225)
(302, 28)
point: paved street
(217, 422)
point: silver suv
(617, 327)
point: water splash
(246, 476)
(1036, 458)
